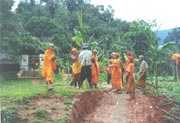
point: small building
(30, 65)
(30, 62)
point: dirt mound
(85, 104)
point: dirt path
(118, 108)
(112, 109)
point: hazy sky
(165, 12)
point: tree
(9, 28)
(174, 36)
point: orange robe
(130, 77)
(95, 70)
(49, 65)
(76, 66)
(175, 58)
(116, 75)
(127, 61)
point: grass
(20, 89)
(15, 90)
(63, 120)
(167, 87)
(40, 113)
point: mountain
(161, 34)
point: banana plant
(155, 50)
(80, 34)
(77, 38)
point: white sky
(165, 12)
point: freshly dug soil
(84, 105)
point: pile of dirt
(85, 104)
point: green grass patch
(166, 87)
(63, 120)
(40, 113)
(37, 121)
(68, 102)
(22, 89)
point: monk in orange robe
(76, 67)
(128, 54)
(95, 69)
(176, 59)
(49, 66)
(116, 73)
(130, 78)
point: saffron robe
(116, 74)
(95, 70)
(49, 65)
(130, 77)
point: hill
(161, 34)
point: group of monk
(85, 66)
(115, 71)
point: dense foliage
(174, 36)
(68, 23)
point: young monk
(130, 78)
(116, 73)
(49, 66)
(76, 67)
(95, 69)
